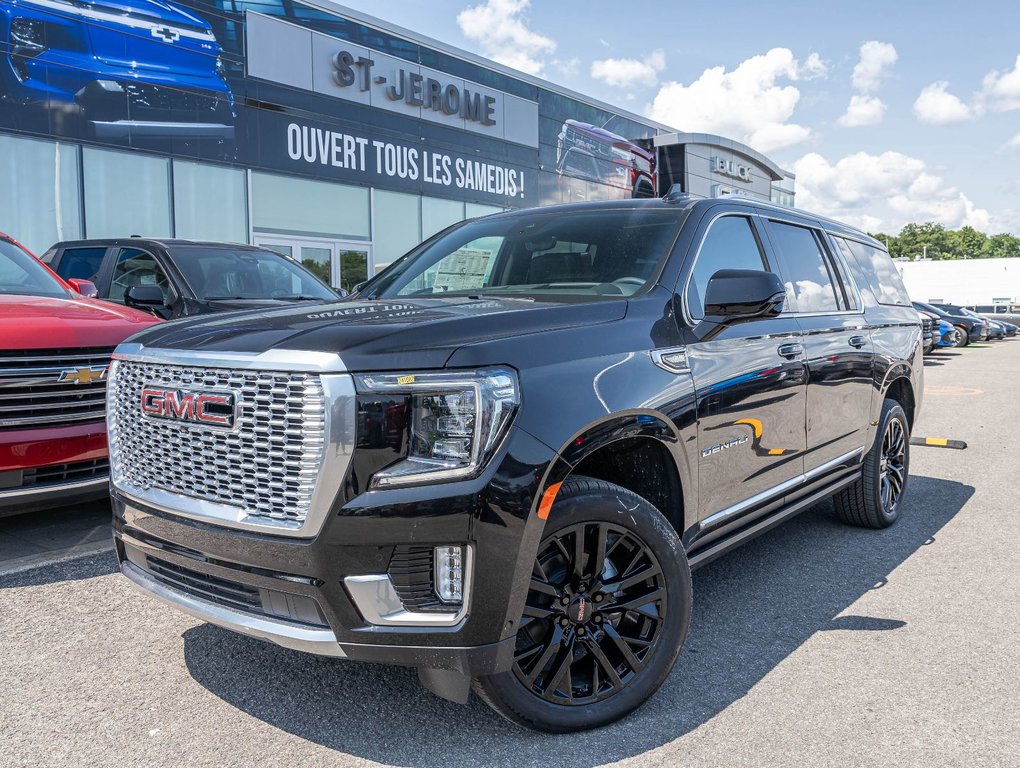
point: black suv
(499, 461)
(178, 278)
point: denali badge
(215, 409)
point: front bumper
(48, 467)
(296, 592)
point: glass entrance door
(341, 263)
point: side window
(882, 274)
(730, 243)
(136, 267)
(82, 263)
(842, 260)
(810, 284)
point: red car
(55, 346)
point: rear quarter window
(874, 268)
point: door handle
(857, 341)
(790, 350)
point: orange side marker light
(547, 500)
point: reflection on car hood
(380, 334)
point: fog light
(449, 565)
(110, 86)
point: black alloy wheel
(593, 614)
(875, 500)
(892, 465)
(605, 615)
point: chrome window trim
(340, 401)
(318, 641)
(818, 230)
(837, 254)
(787, 485)
(295, 360)
(379, 604)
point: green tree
(916, 240)
(1003, 245)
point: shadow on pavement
(753, 608)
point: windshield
(22, 274)
(598, 254)
(244, 273)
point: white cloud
(748, 104)
(863, 110)
(1000, 91)
(937, 106)
(882, 192)
(1013, 143)
(876, 58)
(500, 27)
(814, 67)
(630, 73)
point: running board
(722, 546)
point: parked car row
(61, 317)
(952, 325)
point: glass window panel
(136, 267)
(82, 263)
(805, 269)
(437, 214)
(474, 210)
(885, 280)
(397, 225)
(353, 268)
(288, 204)
(729, 244)
(319, 262)
(126, 193)
(210, 202)
(39, 194)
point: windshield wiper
(301, 297)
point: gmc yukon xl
(499, 460)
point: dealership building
(336, 138)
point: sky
(887, 112)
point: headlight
(455, 421)
(28, 37)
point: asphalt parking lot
(815, 644)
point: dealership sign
(414, 89)
(733, 169)
(341, 69)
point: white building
(969, 282)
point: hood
(379, 335)
(36, 322)
(152, 36)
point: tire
(876, 499)
(964, 337)
(584, 664)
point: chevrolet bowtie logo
(168, 34)
(83, 375)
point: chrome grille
(52, 387)
(266, 467)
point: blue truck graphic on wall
(123, 69)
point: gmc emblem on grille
(215, 409)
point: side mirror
(144, 297)
(85, 287)
(743, 294)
